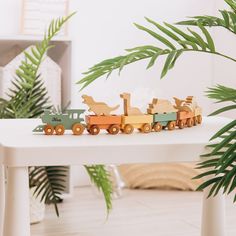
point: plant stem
(214, 53)
(225, 56)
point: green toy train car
(58, 123)
(161, 121)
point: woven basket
(162, 176)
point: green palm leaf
(49, 182)
(227, 19)
(101, 178)
(178, 42)
(223, 168)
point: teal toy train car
(161, 121)
(58, 123)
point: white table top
(21, 147)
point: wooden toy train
(161, 114)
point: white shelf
(61, 54)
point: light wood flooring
(136, 213)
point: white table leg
(2, 197)
(17, 217)
(213, 215)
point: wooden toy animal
(160, 107)
(128, 110)
(182, 105)
(99, 108)
(189, 113)
(191, 101)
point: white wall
(104, 28)
(10, 14)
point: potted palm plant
(174, 42)
(28, 99)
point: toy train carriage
(187, 118)
(58, 123)
(111, 123)
(161, 121)
(141, 122)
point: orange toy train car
(96, 123)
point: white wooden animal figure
(128, 110)
(99, 108)
(160, 107)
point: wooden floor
(137, 213)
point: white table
(20, 148)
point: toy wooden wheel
(77, 129)
(171, 125)
(146, 128)
(114, 129)
(157, 127)
(128, 129)
(199, 119)
(181, 124)
(60, 129)
(190, 122)
(94, 130)
(48, 129)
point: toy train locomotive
(161, 114)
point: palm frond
(28, 70)
(227, 19)
(174, 43)
(232, 4)
(223, 168)
(222, 161)
(26, 103)
(222, 94)
(101, 178)
(49, 183)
